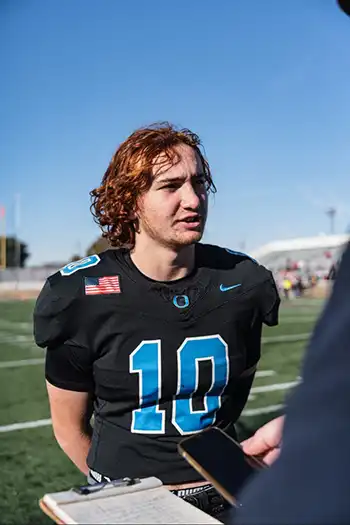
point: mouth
(191, 222)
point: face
(173, 211)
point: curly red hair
(129, 175)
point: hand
(266, 441)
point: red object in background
(328, 255)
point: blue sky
(265, 85)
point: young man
(164, 335)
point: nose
(189, 198)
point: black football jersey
(162, 360)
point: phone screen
(221, 460)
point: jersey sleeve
(254, 274)
(240, 389)
(59, 329)
(269, 301)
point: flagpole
(3, 238)
(17, 227)
(17, 240)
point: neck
(162, 263)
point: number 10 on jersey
(146, 361)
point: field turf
(31, 461)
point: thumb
(255, 445)
(271, 456)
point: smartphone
(220, 460)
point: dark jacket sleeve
(309, 484)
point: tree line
(16, 253)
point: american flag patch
(102, 285)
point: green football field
(31, 461)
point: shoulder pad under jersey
(54, 309)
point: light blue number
(189, 355)
(74, 266)
(146, 361)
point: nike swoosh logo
(224, 288)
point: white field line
(257, 411)
(15, 339)
(248, 412)
(39, 361)
(22, 362)
(265, 373)
(273, 388)
(291, 320)
(15, 326)
(285, 338)
(26, 424)
(46, 422)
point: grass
(31, 461)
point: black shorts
(205, 497)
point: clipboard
(138, 501)
(49, 512)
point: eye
(170, 187)
(200, 180)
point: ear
(135, 213)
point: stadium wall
(20, 282)
(322, 242)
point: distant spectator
(287, 285)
